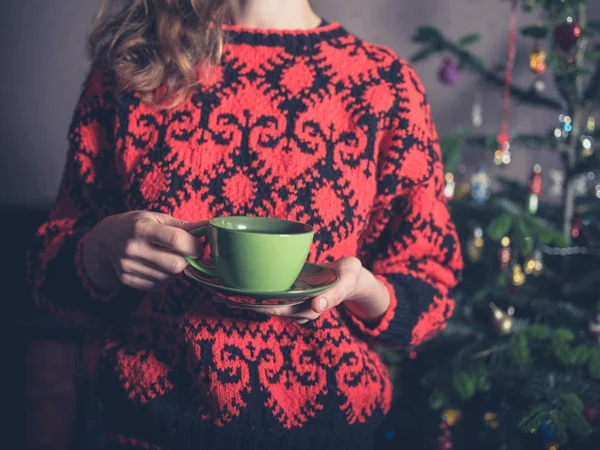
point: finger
(297, 312)
(139, 283)
(165, 219)
(348, 270)
(164, 261)
(178, 223)
(189, 226)
(173, 238)
(138, 268)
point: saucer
(313, 280)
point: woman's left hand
(361, 293)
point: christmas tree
(518, 366)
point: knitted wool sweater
(314, 126)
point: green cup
(255, 254)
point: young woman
(203, 108)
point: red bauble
(591, 413)
(535, 181)
(575, 226)
(449, 72)
(445, 444)
(566, 35)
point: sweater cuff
(86, 283)
(396, 324)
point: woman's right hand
(139, 249)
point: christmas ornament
(449, 73)
(535, 188)
(462, 190)
(575, 226)
(537, 59)
(452, 416)
(566, 35)
(517, 276)
(539, 86)
(564, 128)
(591, 413)
(535, 181)
(546, 431)
(445, 440)
(587, 139)
(477, 112)
(502, 320)
(475, 244)
(480, 186)
(558, 180)
(450, 186)
(502, 155)
(587, 143)
(535, 263)
(504, 254)
(445, 443)
(595, 328)
(491, 420)
(591, 124)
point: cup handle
(199, 232)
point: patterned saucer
(312, 280)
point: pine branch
(592, 93)
(434, 42)
(570, 155)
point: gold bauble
(450, 186)
(462, 190)
(537, 61)
(517, 276)
(502, 320)
(451, 416)
(504, 253)
(475, 244)
(534, 264)
(491, 419)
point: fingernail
(322, 304)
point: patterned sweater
(315, 126)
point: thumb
(165, 219)
(189, 226)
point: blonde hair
(156, 47)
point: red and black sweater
(315, 126)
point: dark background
(43, 64)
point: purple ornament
(449, 72)
(566, 35)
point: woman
(196, 109)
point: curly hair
(157, 47)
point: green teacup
(254, 253)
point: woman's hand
(360, 292)
(139, 249)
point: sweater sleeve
(88, 192)
(410, 243)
